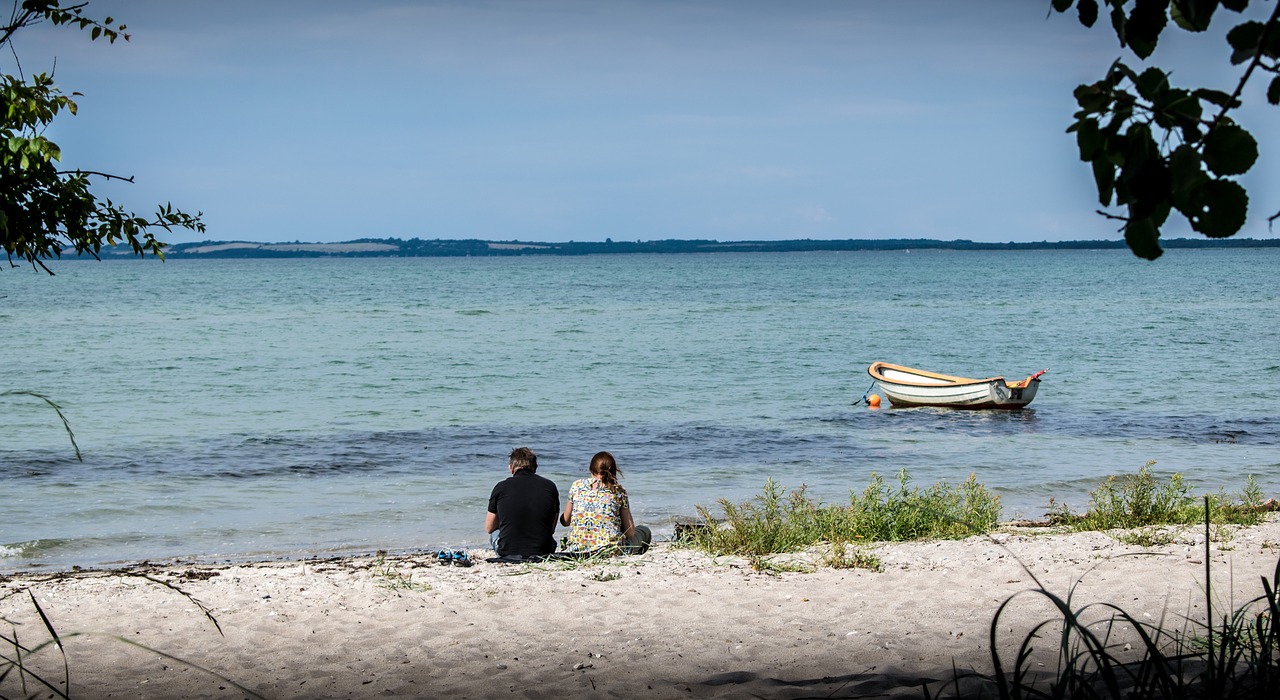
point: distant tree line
(417, 247)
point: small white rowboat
(905, 386)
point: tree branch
(108, 176)
(1257, 60)
(17, 20)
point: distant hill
(417, 247)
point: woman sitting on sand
(600, 513)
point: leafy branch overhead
(43, 209)
(1155, 148)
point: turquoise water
(232, 409)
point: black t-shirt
(527, 506)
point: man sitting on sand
(523, 510)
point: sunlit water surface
(232, 409)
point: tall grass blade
(17, 664)
(189, 664)
(1208, 597)
(57, 409)
(53, 634)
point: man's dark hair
(523, 458)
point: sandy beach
(672, 623)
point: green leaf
(1143, 237)
(1118, 21)
(1143, 183)
(1149, 187)
(1104, 177)
(1176, 108)
(1061, 5)
(1160, 212)
(1087, 10)
(1216, 97)
(1224, 206)
(1271, 49)
(1236, 5)
(1088, 138)
(1151, 83)
(1140, 145)
(1273, 91)
(1244, 39)
(1187, 176)
(1229, 150)
(1146, 21)
(1122, 108)
(1193, 15)
(1119, 72)
(1095, 97)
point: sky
(583, 120)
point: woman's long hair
(606, 468)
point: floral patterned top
(597, 516)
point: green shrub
(770, 523)
(1139, 500)
(910, 513)
(774, 521)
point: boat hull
(908, 387)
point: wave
(32, 549)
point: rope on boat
(865, 394)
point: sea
(283, 409)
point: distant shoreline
(417, 247)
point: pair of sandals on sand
(455, 557)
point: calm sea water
(232, 409)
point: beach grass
(1080, 652)
(776, 522)
(387, 575)
(1137, 503)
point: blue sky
(557, 120)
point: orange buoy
(873, 401)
